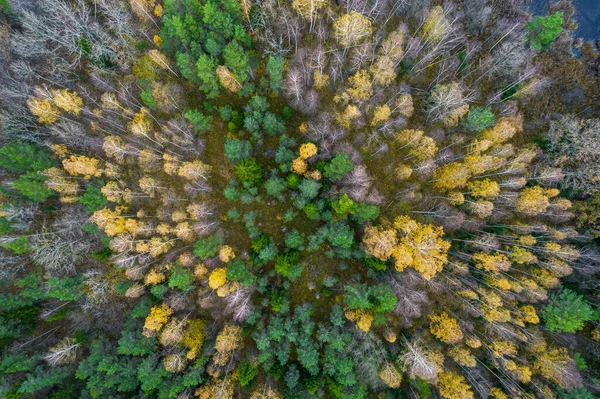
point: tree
(206, 68)
(567, 312)
(249, 170)
(542, 31)
(338, 167)
(228, 340)
(24, 157)
(436, 25)
(308, 8)
(18, 245)
(275, 66)
(390, 375)
(93, 199)
(478, 119)
(246, 373)
(381, 114)
(208, 246)
(67, 101)
(181, 278)
(193, 337)
(198, 120)
(340, 235)
(352, 28)
(44, 109)
(577, 393)
(445, 328)
(236, 59)
(454, 386)
(32, 186)
(418, 245)
(533, 200)
(156, 319)
(275, 186)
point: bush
(567, 312)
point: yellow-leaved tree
(410, 244)
(445, 328)
(352, 28)
(156, 319)
(454, 386)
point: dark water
(587, 13)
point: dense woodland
(294, 199)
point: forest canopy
(355, 199)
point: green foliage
(107, 374)
(236, 150)
(375, 264)
(365, 213)
(93, 199)
(5, 226)
(275, 186)
(198, 120)
(567, 312)
(18, 245)
(577, 393)
(344, 206)
(249, 170)
(287, 113)
(275, 66)
(580, 362)
(237, 271)
(338, 167)
(65, 289)
(206, 68)
(43, 377)
(542, 31)
(340, 235)
(133, 342)
(379, 298)
(478, 118)
(236, 60)
(272, 125)
(246, 373)
(294, 239)
(151, 373)
(31, 185)
(208, 246)
(309, 188)
(24, 157)
(225, 112)
(181, 278)
(147, 99)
